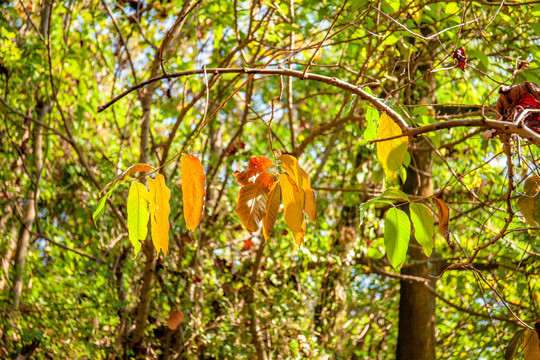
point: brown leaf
(193, 193)
(251, 201)
(291, 166)
(255, 166)
(175, 318)
(292, 203)
(444, 217)
(272, 209)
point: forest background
(233, 80)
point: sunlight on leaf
(159, 212)
(137, 214)
(193, 190)
(391, 153)
(424, 227)
(255, 166)
(251, 201)
(291, 166)
(272, 209)
(397, 231)
(292, 203)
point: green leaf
(137, 214)
(395, 194)
(372, 117)
(424, 228)
(397, 231)
(101, 205)
(514, 344)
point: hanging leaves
(423, 226)
(292, 203)
(251, 202)
(159, 212)
(529, 203)
(307, 196)
(444, 218)
(397, 231)
(391, 153)
(137, 214)
(272, 209)
(255, 166)
(193, 190)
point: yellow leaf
(292, 203)
(137, 214)
(272, 209)
(291, 166)
(251, 202)
(531, 345)
(391, 153)
(193, 193)
(159, 212)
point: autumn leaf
(159, 212)
(255, 166)
(291, 166)
(137, 214)
(175, 318)
(423, 226)
(397, 231)
(272, 209)
(391, 153)
(514, 344)
(444, 218)
(292, 203)
(531, 345)
(193, 193)
(251, 201)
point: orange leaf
(291, 166)
(175, 318)
(272, 209)
(292, 202)
(159, 212)
(255, 166)
(193, 193)
(444, 217)
(251, 202)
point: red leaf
(248, 244)
(175, 318)
(461, 58)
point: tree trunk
(416, 335)
(29, 212)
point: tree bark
(29, 212)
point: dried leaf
(531, 345)
(444, 217)
(251, 202)
(193, 193)
(272, 209)
(255, 166)
(292, 203)
(175, 318)
(397, 231)
(159, 212)
(137, 214)
(391, 153)
(291, 166)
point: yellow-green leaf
(292, 203)
(397, 231)
(423, 226)
(101, 205)
(291, 166)
(193, 193)
(159, 212)
(272, 209)
(137, 214)
(391, 153)
(529, 202)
